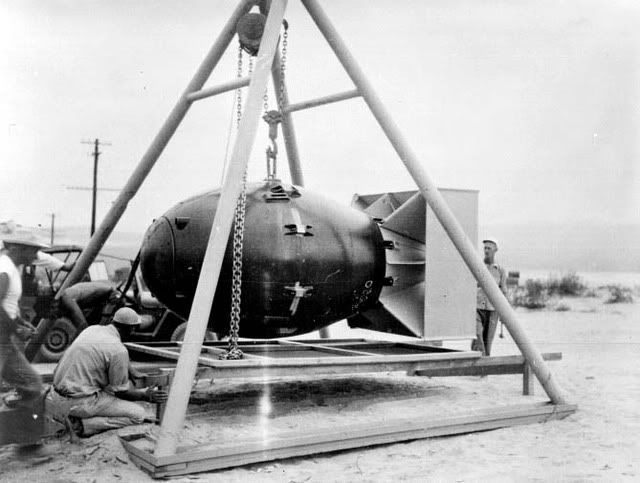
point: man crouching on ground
(91, 382)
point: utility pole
(53, 227)
(96, 155)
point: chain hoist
(239, 89)
(283, 62)
(233, 352)
(274, 117)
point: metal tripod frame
(268, 62)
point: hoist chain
(239, 89)
(283, 63)
(233, 352)
(273, 118)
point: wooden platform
(284, 358)
(224, 454)
(280, 358)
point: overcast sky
(534, 104)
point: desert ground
(600, 372)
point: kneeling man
(91, 382)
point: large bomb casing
(307, 261)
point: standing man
(15, 370)
(486, 315)
(91, 382)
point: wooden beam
(483, 366)
(224, 454)
(446, 364)
(219, 89)
(354, 358)
(321, 101)
(173, 420)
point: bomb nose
(157, 259)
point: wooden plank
(168, 353)
(308, 361)
(428, 364)
(227, 454)
(354, 360)
(333, 341)
(327, 348)
(154, 351)
(434, 368)
(432, 348)
(142, 464)
(430, 368)
(129, 443)
(481, 367)
(321, 101)
(360, 430)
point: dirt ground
(600, 372)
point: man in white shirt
(15, 370)
(486, 315)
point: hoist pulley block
(250, 28)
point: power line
(86, 188)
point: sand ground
(600, 372)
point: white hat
(126, 316)
(23, 242)
(491, 240)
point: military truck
(38, 305)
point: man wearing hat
(486, 315)
(15, 370)
(91, 388)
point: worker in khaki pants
(91, 389)
(486, 315)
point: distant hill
(120, 243)
(579, 247)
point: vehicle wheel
(178, 334)
(57, 340)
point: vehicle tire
(61, 335)
(178, 334)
